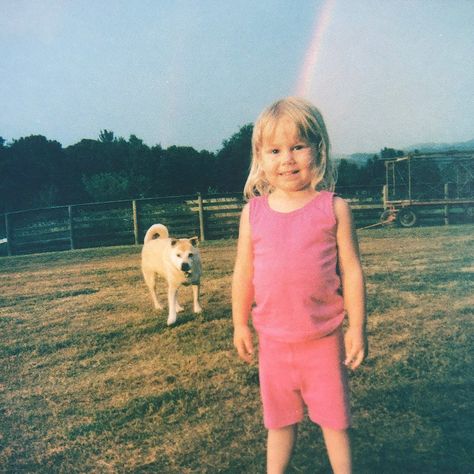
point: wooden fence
(210, 217)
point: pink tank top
(296, 285)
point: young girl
(298, 271)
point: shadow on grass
(116, 419)
(422, 427)
(55, 295)
(439, 282)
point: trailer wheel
(407, 217)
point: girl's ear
(194, 241)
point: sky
(384, 73)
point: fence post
(201, 218)
(409, 178)
(385, 195)
(446, 207)
(135, 220)
(9, 235)
(71, 227)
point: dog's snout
(185, 267)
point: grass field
(92, 380)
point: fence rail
(125, 222)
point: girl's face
(286, 159)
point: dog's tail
(156, 230)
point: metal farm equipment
(429, 185)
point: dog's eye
(190, 255)
(178, 255)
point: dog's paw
(197, 309)
(158, 306)
(179, 308)
(171, 320)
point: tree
(388, 153)
(233, 160)
(106, 186)
(426, 178)
(209, 176)
(139, 166)
(348, 173)
(32, 173)
(182, 171)
(373, 172)
(106, 136)
(132, 160)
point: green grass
(92, 379)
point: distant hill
(361, 158)
(437, 147)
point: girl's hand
(243, 342)
(356, 347)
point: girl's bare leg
(279, 448)
(339, 450)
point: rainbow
(323, 18)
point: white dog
(176, 260)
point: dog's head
(184, 254)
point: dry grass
(92, 380)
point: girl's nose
(287, 156)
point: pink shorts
(310, 373)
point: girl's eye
(298, 147)
(274, 151)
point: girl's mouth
(289, 173)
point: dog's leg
(150, 280)
(171, 305)
(196, 306)
(179, 308)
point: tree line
(37, 172)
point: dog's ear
(194, 241)
(173, 242)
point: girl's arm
(353, 285)
(242, 289)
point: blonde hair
(310, 125)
